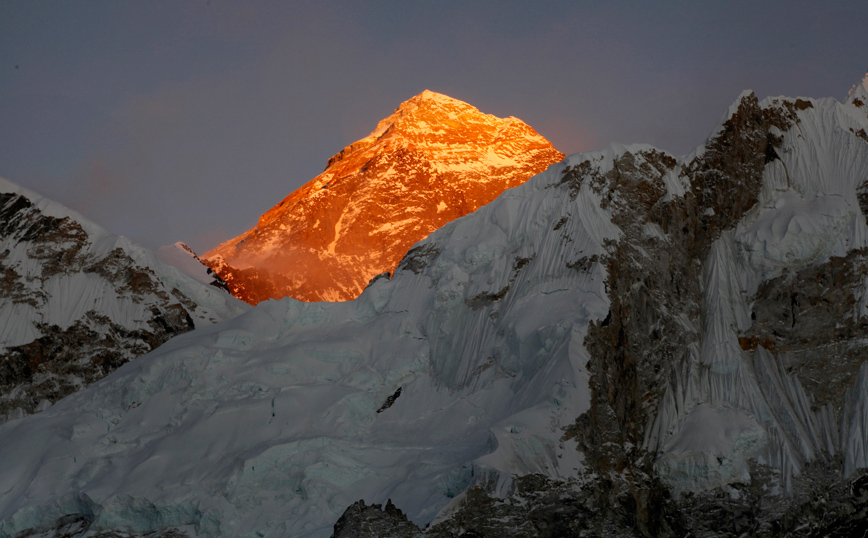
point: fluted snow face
(433, 160)
(807, 216)
(269, 423)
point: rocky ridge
(77, 302)
(803, 345)
(433, 160)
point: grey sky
(168, 121)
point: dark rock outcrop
(375, 521)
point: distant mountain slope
(182, 257)
(76, 302)
(628, 344)
(433, 160)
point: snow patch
(795, 231)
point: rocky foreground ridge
(433, 160)
(628, 344)
(77, 302)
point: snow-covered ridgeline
(182, 257)
(91, 297)
(269, 421)
(215, 305)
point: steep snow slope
(628, 344)
(807, 215)
(269, 423)
(431, 161)
(182, 257)
(76, 302)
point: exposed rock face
(76, 305)
(655, 284)
(655, 347)
(433, 160)
(812, 320)
(360, 521)
(541, 508)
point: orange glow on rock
(433, 160)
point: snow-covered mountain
(76, 302)
(433, 160)
(629, 344)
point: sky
(184, 121)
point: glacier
(807, 213)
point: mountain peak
(429, 100)
(432, 160)
(429, 112)
(77, 301)
(859, 92)
(434, 97)
(628, 344)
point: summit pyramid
(431, 161)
